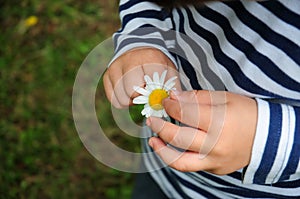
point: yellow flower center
(156, 98)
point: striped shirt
(245, 47)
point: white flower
(154, 93)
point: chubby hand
(218, 135)
(128, 71)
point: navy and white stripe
(246, 47)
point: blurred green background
(43, 44)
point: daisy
(153, 94)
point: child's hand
(221, 133)
(129, 70)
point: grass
(41, 154)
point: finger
(120, 94)
(204, 115)
(109, 91)
(181, 137)
(116, 78)
(192, 114)
(182, 161)
(201, 97)
(107, 86)
(133, 76)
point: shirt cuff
(127, 42)
(273, 143)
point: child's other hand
(220, 135)
(129, 70)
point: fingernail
(150, 143)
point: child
(240, 106)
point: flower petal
(140, 100)
(147, 79)
(165, 114)
(157, 113)
(141, 91)
(151, 87)
(169, 83)
(169, 86)
(145, 111)
(162, 77)
(155, 77)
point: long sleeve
(245, 47)
(276, 150)
(144, 24)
